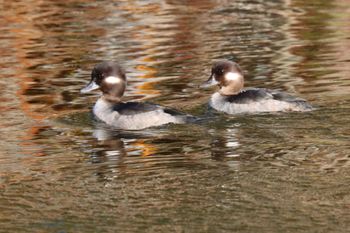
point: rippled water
(61, 172)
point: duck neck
(228, 92)
(111, 99)
(104, 110)
(233, 89)
(105, 105)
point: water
(61, 172)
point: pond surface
(284, 172)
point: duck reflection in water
(115, 142)
(124, 149)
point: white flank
(113, 80)
(232, 76)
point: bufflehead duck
(232, 98)
(110, 78)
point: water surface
(62, 172)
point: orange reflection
(22, 37)
(146, 149)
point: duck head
(228, 76)
(110, 78)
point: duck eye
(220, 72)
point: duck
(110, 78)
(233, 98)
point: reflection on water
(62, 172)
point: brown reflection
(44, 42)
(166, 35)
(322, 28)
(342, 43)
(22, 36)
(28, 145)
(40, 34)
(22, 33)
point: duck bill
(90, 87)
(210, 82)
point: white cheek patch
(232, 76)
(113, 80)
